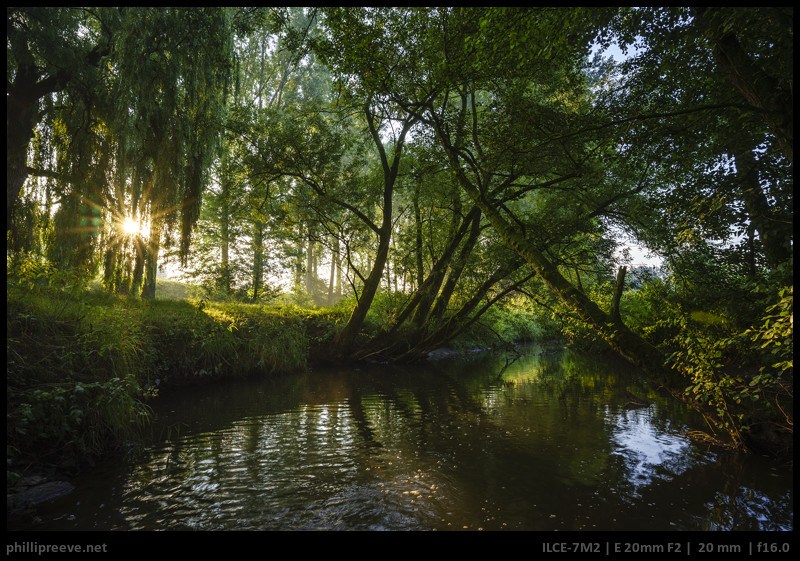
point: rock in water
(37, 494)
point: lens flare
(130, 226)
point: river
(543, 441)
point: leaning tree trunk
(344, 341)
(624, 341)
(454, 274)
(21, 118)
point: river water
(544, 441)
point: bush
(501, 326)
(74, 418)
(739, 371)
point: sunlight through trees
(445, 170)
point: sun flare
(130, 226)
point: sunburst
(131, 227)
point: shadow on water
(534, 442)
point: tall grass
(70, 385)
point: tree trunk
(625, 342)
(21, 118)
(618, 289)
(458, 322)
(16, 168)
(775, 234)
(428, 287)
(225, 211)
(138, 266)
(345, 339)
(258, 258)
(332, 278)
(310, 259)
(761, 90)
(225, 267)
(151, 258)
(338, 290)
(335, 282)
(456, 268)
(420, 271)
(22, 109)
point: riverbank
(83, 366)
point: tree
(492, 107)
(723, 172)
(318, 172)
(145, 121)
(47, 55)
(764, 80)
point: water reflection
(647, 452)
(543, 442)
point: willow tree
(46, 54)
(127, 114)
(172, 82)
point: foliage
(501, 327)
(775, 334)
(129, 137)
(740, 370)
(74, 419)
(71, 367)
(173, 290)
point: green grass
(173, 290)
(82, 364)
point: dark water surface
(543, 442)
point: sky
(639, 255)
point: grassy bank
(82, 365)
